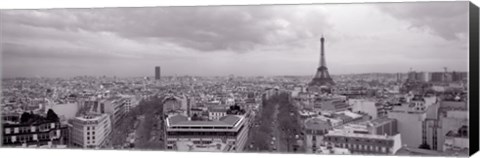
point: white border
(32, 4)
(70, 153)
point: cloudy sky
(239, 40)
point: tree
(25, 117)
(52, 116)
(235, 110)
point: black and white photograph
(325, 79)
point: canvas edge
(474, 78)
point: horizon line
(226, 75)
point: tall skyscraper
(157, 72)
(322, 77)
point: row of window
(201, 142)
(203, 133)
(317, 132)
(346, 140)
(30, 129)
(93, 138)
(201, 127)
(364, 148)
(88, 133)
(434, 145)
(25, 138)
(92, 142)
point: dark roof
(343, 117)
(177, 119)
(381, 121)
(230, 119)
(217, 109)
(180, 120)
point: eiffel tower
(322, 78)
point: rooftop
(90, 117)
(183, 121)
(344, 114)
(380, 121)
(347, 134)
(217, 109)
(316, 123)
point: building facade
(38, 133)
(364, 143)
(409, 124)
(115, 107)
(91, 131)
(215, 113)
(315, 129)
(231, 130)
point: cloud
(448, 20)
(240, 40)
(235, 28)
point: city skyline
(239, 40)
(349, 79)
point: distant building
(115, 107)
(418, 76)
(449, 76)
(157, 72)
(340, 118)
(231, 130)
(438, 77)
(379, 126)
(89, 105)
(173, 105)
(90, 131)
(131, 102)
(459, 76)
(365, 106)
(215, 113)
(330, 105)
(352, 92)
